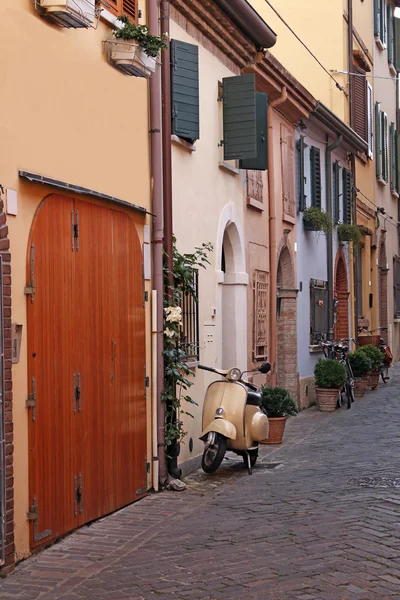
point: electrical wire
(394, 79)
(385, 215)
(341, 88)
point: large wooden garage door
(87, 421)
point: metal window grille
(190, 322)
(318, 311)
(260, 312)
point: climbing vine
(179, 283)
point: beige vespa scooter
(232, 418)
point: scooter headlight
(234, 374)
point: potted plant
(376, 358)
(349, 233)
(134, 50)
(278, 405)
(330, 376)
(361, 365)
(315, 219)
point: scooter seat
(253, 398)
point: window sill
(192, 364)
(394, 193)
(362, 157)
(396, 320)
(289, 218)
(392, 69)
(381, 181)
(255, 203)
(177, 141)
(314, 348)
(379, 43)
(224, 166)
(109, 18)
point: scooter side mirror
(265, 368)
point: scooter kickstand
(249, 468)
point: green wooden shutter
(390, 26)
(185, 90)
(383, 13)
(385, 162)
(260, 163)
(397, 148)
(377, 18)
(396, 285)
(336, 191)
(315, 160)
(239, 118)
(396, 58)
(392, 141)
(378, 140)
(347, 200)
(301, 146)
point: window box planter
(315, 219)
(128, 57)
(68, 13)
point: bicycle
(384, 348)
(339, 351)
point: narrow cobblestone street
(318, 520)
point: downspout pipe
(350, 57)
(153, 7)
(172, 459)
(355, 265)
(329, 237)
(272, 232)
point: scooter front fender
(221, 426)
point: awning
(249, 21)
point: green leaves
(277, 402)
(151, 44)
(329, 374)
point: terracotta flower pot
(359, 388)
(365, 380)
(327, 399)
(374, 380)
(276, 430)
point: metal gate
(2, 430)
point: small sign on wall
(16, 341)
(11, 202)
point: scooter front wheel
(214, 454)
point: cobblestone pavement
(319, 519)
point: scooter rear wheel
(213, 456)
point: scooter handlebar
(206, 368)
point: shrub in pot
(278, 405)
(330, 376)
(376, 358)
(361, 365)
(315, 219)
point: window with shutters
(370, 121)
(359, 102)
(260, 162)
(315, 167)
(122, 7)
(347, 196)
(255, 187)
(393, 158)
(287, 170)
(359, 280)
(378, 141)
(396, 285)
(390, 34)
(385, 147)
(239, 117)
(380, 23)
(318, 311)
(189, 342)
(260, 313)
(300, 172)
(336, 191)
(185, 90)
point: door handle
(113, 349)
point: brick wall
(9, 429)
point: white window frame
(370, 118)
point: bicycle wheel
(349, 393)
(385, 374)
(340, 399)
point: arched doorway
(342, 297)
(383, 285)
(286, 324)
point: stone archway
(342, 297)
(383, 284)
(286, 323)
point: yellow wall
(66, 114)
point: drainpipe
(172, 459)
(272, 231)
(353, 254)
(350, 55)
(158, 283)
(329, 249)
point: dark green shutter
(397, 149)
(396, 58)
(185, 90)
(392, 140)
(347, 193)
(301, 146)
(385, 165)
(378, 141)
(260, 163)
(239, 119)
(396, 285)
(390, 26)
(377, 18)
(315, 160)
(336, 191)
